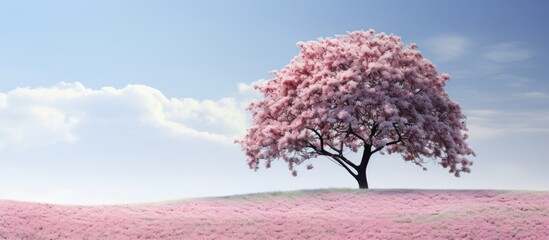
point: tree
(359, 91)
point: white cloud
(42, 116)
(481, 125)
(489, 124)
(448, 47)
(534, 95)
(245, 88)
(3, 101)
(481, 113)
(512, 80)
(482, 131)
(508, 52)
(34, 121)
(248, 93)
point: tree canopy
(359, 91)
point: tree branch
(338, 157)
(339, 151)
(373, 132)
(341, 160)
(350, 131)
(392, 142)
(399, 136)
(320, 138)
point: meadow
(309, 214)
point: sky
(108, 102)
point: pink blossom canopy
(354, 91)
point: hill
(312, 214)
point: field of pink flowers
(316, 214)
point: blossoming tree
(360, 92)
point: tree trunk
(361, 170)
(362, 180)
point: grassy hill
(312, 214)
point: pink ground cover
(317, 214)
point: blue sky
(138, 101)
